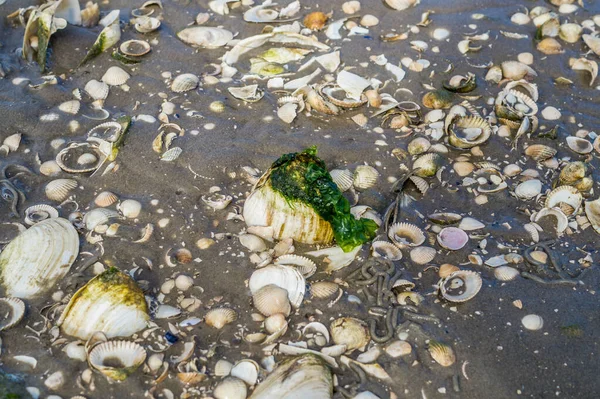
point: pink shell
(452, 238)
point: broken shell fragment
(12, 311)
(117, 359)
(460, 286)
(207, 37)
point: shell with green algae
(109, 36)
(41, 25)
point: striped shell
(343, 178)
(135, 48)
(385, 250)
(217, 107)
(271, 299)
(171, 154)
(406, 235)
(567, 198)
(592, 211)
(37, 213)
(223, 368)
(220, 317)
(468, 131)
(70, 107)
(418, 146)
(447, 269)
(115, 76)
(304, 265)
(460, 286)
(441, 353)
(12, 311)
(105, 199)
(533, 231)
(324, 289)
(185, 82)
(365, 177)
(422, 255)
(58, 190)
(117, 359)
(529, 189)
(505, 273)
(286, 277)
(426, 165)
(540, 152)
(353, 333)
(96, 89)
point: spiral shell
(115, 76)
(185, 82)
(505, 273)
(406, 235)
(422, 255)
(353, 333)
(441, 353)
(220, 317)
(324, 289)
(271, 299)
(12, 311)
(386, 250)
(59, 190)
(117, 359)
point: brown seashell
(315, 20)
(353, 333)
(374, 98)
(540, 152)
(550, 46)
(447, 269)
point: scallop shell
(532, 322)
(422, 255)
(441, 353)
(58, 190)
(107, 131)
(147, 24)
(365, 177)
(219, 317)
(185, 82)
(343, 178)
(80, 158)
(385, 250)
(540, 152)
(579, 145)
(324, 289)
(105, 199)
(135, 48)
(96, 89)
(353, 333)
(230, 388)
(70, 107)
(304, 265)
(12, 311)
(406, 235)
(39, 257)
(565, 195)
(460, 286)
(271, 299)
(288, 278)
(533, 231)
(117, 359)
(115, 76)
(505, 273)
(452, 238)
(37, 213)
(468, 131)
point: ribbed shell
(506, 273)
(365, 177)
(452, 238)
(540, 152)
(96, 89)
(110, 302)
(171, 154)
(185, 82)
(115, 76)
(386, 250)
(36, 259)
(37, 213)
(405, 235)
(289, 219)
(426, 165)
(353, 333)
(460, 286)
(58, 190)
(117, 359)
(304, 265)
(441, 353)
(324, 289)
(343, 178)
(15, 309)
(70, 107)
(230, 388)
(468, 122)
(286, 277)
(271, 299)
(105, 199)
(220, 317)
(529, 189)
(422, 255)
(565, 195)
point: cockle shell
(12, 311)
(468, 131)
(447, 269)
(304, 265)
(452, 238)
(324, 289)
(562, 222)
(418, 146)
(286, 277)
(406, 235)
(37, 213)
(185, 82)
(147, 24)
(516, 70)
(38, 258)
(386, 250)
(422, 255)
(426, 165)
(135, 48)
(98, 217)
(592, 211)
(230, 388)
(353, 333)
(70, 107)
(246, 370)
(96, 89)
(365, 177)
(460, 286)
(223, 368)
(351, 7)
(271, 299)
(401, 4)
(58, 190)
(441, 353)
(117, 359)
(505, 273)
(105, 199)
(567, 198)
(220, 317)
(540, 152)
(115, 76)
(529, 189)
(343, 178)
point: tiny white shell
(532, 322)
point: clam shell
(516, 70)
(105, 199)
(505, 273)
(549, 46)
(147, 24)
(324, 289)
(593, 42)
(12, 311)
(80, 158)
(468, 131)
(98, 217)
(185, 82)
(275, 323)
(565, 195)
(452, 238)
(532, 322)
(445, 218)
(70, 107)
(130, 208)
(108, 131)
(353, 333)
(579, 145)
(207, 37)
(422, 255)
(343, 178)
(470, 224)
(540, 152)
(50, 168)
(115, 76)
(36, 259)
(304, 265)
(220, 317)
(365, 177)
(460, 286)
(252, 243)
(111, 303)
(271, 299)
(135, 48)
(96, 89)
(351, 7)
(117, 359)
(246, 370)
(230, 388)
(419, 146)
(426, 165)
(529, 189)
(37, 213)
(386, 250)
(405, 235)
(58, 190)
(441, 353)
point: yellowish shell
(447, 269)
(185, 82)
(540, 152)
(406, 235)
(105, 199)
(315, 20)
(353, 333)
(271, 299)
(117, 359)
(324, 289)
(13, 310)
(386, 250)
(441, 353)
(220, 317)
(58, 190)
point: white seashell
(147, 24)
(223, 368)
(566, 195)
(105, 199)
(352, 84)
(184, 282)
(171, 154)
(570, 32)
(130, 208)
(533, 231)
(275, 323)
(28, 360)
(385, 250)
(592, 212)
(50, 168)
(246, 370)
(36, 259)
(98, 217)
(271, 299)
(12, 311)
(369, 20)
(252, 243)
(96, 89)
(220, 317)
(230, 388)
(185, 82)
(166, 311)
(304, 265)
(579, 145)
(351, 7)
(405, 235)
(58, 190)
(561, 219)
(516, 70)
(452, 238)
(593, 42)
(460, 286)
(520, 18)
(441, 34)
(37, 213)
(207, 37)
(532, 322)
(70, 107)
(115, 76)
(506, 273)
(401, 5)
(117, 359)
(551, 114)
(287, 112)
(76, 350)
(135, 48)
(316, 327)
(260, 14)
(55, 381)
(529, 189)
(353, 333)
(324, 289)
(343, 178)
(398, 348)
(470, 224)
(422, 255)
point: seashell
(441, 353)
(401, 5)
(246, 370)
(463, 168)
(70, 107)
(343, 178)
(461, 84)
(592, 211)
(171, 154)
(324, 289)
(549, 46)
(398, 348)
(445, 218)
(470, 224)
(117, 359)
(468, 131)
(206, 37)
(561, 219)
(219, 317)
(223, 368)
(426, 165)
(111, 302)
(529, 189)
(418, 146)
(115, 76)
(494, 74)
(385, 250)
(90, 15)
(438, 99)
(365, 177)
(80, 158)
(252, 243)
(96, 89)
(58, 190)
(532, 322)
(304, 265)
(564, 195)
(185, 82)
(50, 168)
(366, 212)
(570, 32)
(147, 24)
(506, 273)
(135, 48)
(533, 231)
(271, 299)
(422, 255)
(76, 350)
(188, 373)
(275, 323)
(520, 18)
(406, 235)
(452, 238)
(551, 113)
(540, 152)
(217, 107)
(579, 145)
(33, 262)
(12, 311)
(369, 20)
(593, 42)
(353, 333)
(250, 93)
(37, 213)
(460, 286)
(374, 98)
(98, 217)
(516, 70)
(446, 269)
(105, 199)
(230, 388)
(315, 20)
(130, 208)
(582, 64)
(351, 7)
